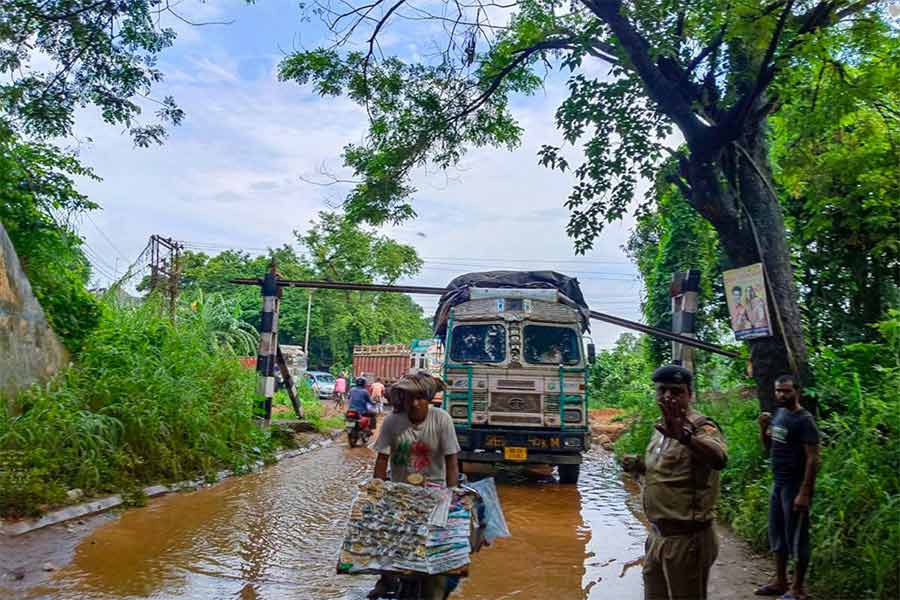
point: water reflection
(276, 534)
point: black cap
(672, 374)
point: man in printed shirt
(420, 443)
(681, 487)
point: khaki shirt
(675, 486)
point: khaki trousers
(677, 567)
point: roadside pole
(289, 385)
(308, 313)
(268, 346)
(683, 290)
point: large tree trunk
(724, 189)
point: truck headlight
(572, 442)
(572, 416)
(459, 411)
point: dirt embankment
(607, 424)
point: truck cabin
(515, 359)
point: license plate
(515, 453)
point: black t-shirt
(789, 432)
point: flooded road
(276, 534)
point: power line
(105, 237)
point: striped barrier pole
(684, 289)
(268, 346)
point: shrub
(147, 401)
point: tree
(713, 69)
(670, 239)
(334, 249)
(97, 52)
(37, 200)
(837, 147)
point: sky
(237, 173)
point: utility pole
(165, 261)
(683, 290)
(268, 345)
(308, 313)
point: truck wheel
(569, 473)
(352, 439)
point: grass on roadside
(146, 401)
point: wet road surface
(276, 534)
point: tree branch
(668, 94)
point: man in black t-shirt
(792, 438)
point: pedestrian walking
(792, 439)
(340, 390)
(378, 395)
(680, 489)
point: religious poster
(745, 290)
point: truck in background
(389, 362)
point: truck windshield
(550, 345)
(478, 343)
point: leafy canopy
(704, 66)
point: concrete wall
(29, 350)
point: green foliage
(37, 201)
(856, 509)
(336, 249)
(620, 377)
(98, 53)
(837, 147)
(670, 239)
(147, 401)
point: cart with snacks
(404, 529)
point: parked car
(322, 383)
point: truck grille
(551, 404)
(515, 403)
(515, 384)
(514, 419)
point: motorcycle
(358, 428)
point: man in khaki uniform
(681, 486)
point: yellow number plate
(515, 453)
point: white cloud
(231, 175)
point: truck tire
(568, 474)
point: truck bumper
(553, 447)
(534, 458)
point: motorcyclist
(361, 401)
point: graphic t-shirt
(789, 432)
(418, 448)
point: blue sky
(232, 176)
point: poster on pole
(745, 290)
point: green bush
(856, 507)
(147, 401)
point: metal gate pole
(685, 286)
(268, 346)
(308, 313)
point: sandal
(771, 589)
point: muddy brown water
(276, 534)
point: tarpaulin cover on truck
(458, 290)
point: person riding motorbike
(361, 402)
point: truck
(389, 362)
(516, 365)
